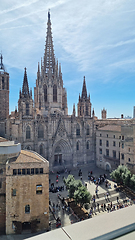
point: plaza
(69, 218)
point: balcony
(111, 158)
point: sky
(92, 38)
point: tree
(132, 182)
(121, 174)
(82, 196)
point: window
(19, 171)
(114, 143)
(45, 93)
(54, 93)
(119, 137)
(122, 156)
(0, 184)
(100, 142)
(119, 144)
(27, 109)
(28, 171)
(40, 131)
(39, 189)
(113, 136)
(1, 171)
(36, 170)
(87, 130)
(88, 145)
(27, 208)
(13, 192)
(78, 129)
(14, 171)
(107, 152)
(107, 143)
(129, 159)
(41, 170)
(100, 135)
(87, 110)
(77, 146)
(41, 149)
(122, 145)
(100, 159)
(23, 171)
(27, 132)
(32, 170)
(114, 154)
(100, 150)
(107, 135)
(122, 137)
(2, 82)
(129, 149)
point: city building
(108, 147)
(24, 189)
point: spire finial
(48, 14)
(1, 62)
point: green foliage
(81, 196)
(74, 186)
(132, 182)
(70, 179)
(121, 175)
(77, 191)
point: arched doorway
(62, 154)
(108, 167)
(58, 156)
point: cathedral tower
(4, 91)
(49, 94)
(25, 102)
(84, 104)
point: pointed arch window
(55, 93)
(41, 149)
(45, 93)
(78, 129)
(86, 110)
(88, 145)
(28, 132)
(40, 131)
(87, 130)
(77, 146)
(27, 109)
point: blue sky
(92, 38)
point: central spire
(49, 58)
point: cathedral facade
(43, 124)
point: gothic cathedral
(43, 125)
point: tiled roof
(115, 128)
(29, 156)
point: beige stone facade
(24, 189)
(108, 147)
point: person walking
(104, 206)
(98, 207)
